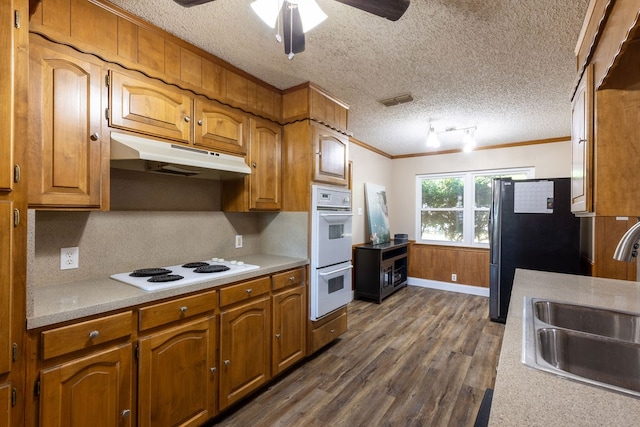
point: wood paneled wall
(434, 262)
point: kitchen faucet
(628, 245)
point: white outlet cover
(238, 240)
(69, 258)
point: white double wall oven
(331, 241)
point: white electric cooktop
(183, 274)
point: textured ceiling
(505, 66)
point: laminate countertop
(524, 396)
(70, 301)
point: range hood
(146, 154)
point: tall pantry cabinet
(14, 27)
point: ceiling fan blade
(189, 3)
(292, 30)
(390, 9)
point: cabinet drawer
(289, 278)
(326, 333)
(181, 308)
(87, 334)
(244, 291)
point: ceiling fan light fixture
(267, 10)
(310, 13)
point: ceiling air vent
(400, 99)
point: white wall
(367, 167)
(551, 160)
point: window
(453, 209)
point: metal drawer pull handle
(212, 370)
(95, 136)
(94, 334)
(278, 336)
(187, 119)
(292, 278)
(227, 362)
(249, 290)
(333, 331)
(126, 413)
(183, 309)
(200, 122)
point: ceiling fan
(299, 16)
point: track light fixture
(468, 139)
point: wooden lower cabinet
(177, 375)
(96, 390)
(6, 242)
(245, 349)
(327, 329)
(5, 405)
(289, 331)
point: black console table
(380, 270)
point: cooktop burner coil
(216, 268)
(145, 272)
(165, 278)
(195, 264)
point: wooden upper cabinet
(262, 190)
(66, 165)
(142, 105)
(582, 145)
(96, 390)
(6, 94)
(220, 128)
(331, 156)
(308, 101)
(265, 186)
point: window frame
(469, 208)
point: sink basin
(599, 321)
(593, 345)
(604, 360)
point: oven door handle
(336, 271)
(336, 214)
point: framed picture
(377, 213)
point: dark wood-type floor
(421, 358)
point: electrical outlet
(454, 277)
(238, 240)
(69, 258)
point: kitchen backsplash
(120, 241)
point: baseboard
(445, 286)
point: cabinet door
(6, 237)
(148, 106)
(7, 31)
(582, 145)
(289, 328)
(5, 405)
(177, 371)
(331, 156)
(245, 334)
(92, 391)
(64, 112)
(265, 181)
(220, 128)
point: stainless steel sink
(594, 345)
(599, 359)
(599, 321)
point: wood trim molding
(369, 147)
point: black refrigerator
(530, 226)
